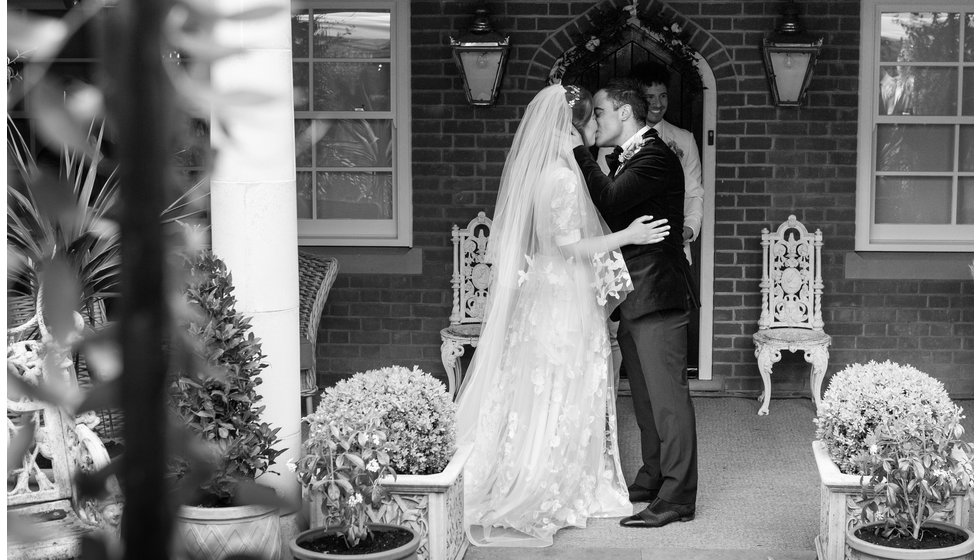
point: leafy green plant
(69, 217)
(915, 472)
(897, 427)
(414, 409)
(221, 405)
(345, 461)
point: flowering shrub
(413, 407)
(864, 397)
(345, 461)
(898, 428)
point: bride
(538, 400)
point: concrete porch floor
(758, 496)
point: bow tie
(612, 160)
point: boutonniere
(676, 149)
(631, 151)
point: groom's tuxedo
(651, 182)
(653, 326)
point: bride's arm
(643, 231)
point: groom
(646, 178)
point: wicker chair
(316, 276)
(21, 313)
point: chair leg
(766, 357)
(308, 400)
(818, 358)
(451, 351)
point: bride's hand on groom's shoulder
(645, 230)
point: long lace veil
(523, 226)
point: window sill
(868, 265)
(372, 260)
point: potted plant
(342, 464)
(419, 419)
(892, 464)
(220, 406)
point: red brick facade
(770, 162)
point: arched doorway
(693, 106)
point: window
(915, 132)
(352, 119)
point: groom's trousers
(654, 348)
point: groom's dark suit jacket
(649, 183)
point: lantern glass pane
(790, 68)
(480, 67)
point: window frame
(396, 232)
(899, 237)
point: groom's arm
(648, 176)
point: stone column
(253, 209)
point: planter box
(840, 495)
(431, 505)
(213, 533)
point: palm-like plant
(68, 218)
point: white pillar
(253, 210)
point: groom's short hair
(627, 91)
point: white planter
(431, 505)
(840, 496)
(214, 533)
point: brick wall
(770, 162)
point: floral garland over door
(610, 28)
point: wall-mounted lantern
(789, 53)
(480, 55)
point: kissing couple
(572, 245)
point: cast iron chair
(792, 288)
(316, 276)
(470, 285)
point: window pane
(346, 34)
(301, 34)
(353, 143)
(304, 143)
(301, 86)
(904, 147)
(966, 148)
(304, 195)
(351, 86)
(964, 208)
(913, 200)
(920, 37)
(968, 41)
(917, 91)
(354, 196)
(968, 92)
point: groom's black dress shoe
(658, 514)
(641, 494)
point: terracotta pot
(214, 533)
(863, 550)
(403, 552)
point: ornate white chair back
(471, 272)
(791, 285)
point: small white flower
(374, 466)
(675, 27)
(355, 499)
(291, 465)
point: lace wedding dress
(538, 401)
